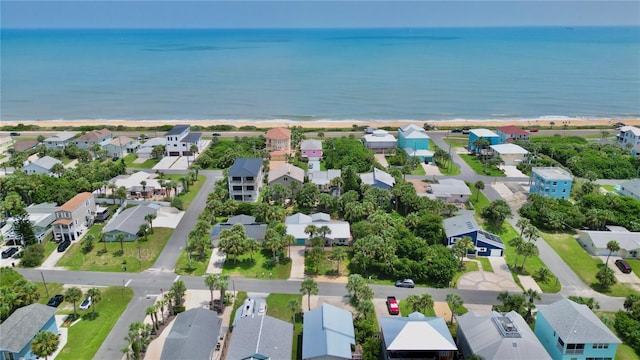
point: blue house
(486, 244)
(415, 142)
(327, 333)
(416, 337)
(476, 134)
(552, 182)
(19, 329)
(568, 331)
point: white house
(179, 141)
(449, 191)
(145, 151)
(595, 242)
(322, 179)
(340, 233)
(120, 146)
(59, 140)
(511, 154)
(44, 165)
(133, 184)
(380, 142)
(630, 135)
(631, 188)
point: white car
(85, 304)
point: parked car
(392, 305)
(466, 130)
(115, 158)
(406, 283)
(56, 300)
(623, 266)
(85, 303)
(533, 130)
(9, 252)
(215, 134)
(64, 244)
(456, 130)
(14, 134)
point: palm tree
(522, 224)
(74, 295)
(528, 249)
(517, 243)
(45, 343)
(144, 189)
(210, 281)
(531, 232)
(149, 219)
(612, 246)
(222, 284)
(151, 311)
(96, 297)
(289, 239)
(425, 302)
(312, 230)
(338, 255)
(121, 194)
(531, 296)
(251, 245)
(324, 230)
(103, 238)
(461, 247)
(309, 287)
(120, 237)
(294, 306)
(143, 231)
(454, 301)
(479, 185)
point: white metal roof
(552, 173)
(483, 133)
(503, 149)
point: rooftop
(47, 162)
(19, 328)
(194, 335)
(63, 136)
(416, 333)
(632, 129)
(310, 144)
(177, 130)
(278, 134)
(379, 136)
(628, 241)
(323, 177)
(461, 224)
(509, 149)
(483, 133)
(411, 127)
(327, 331)
(129, 220)
(448, 187)
(576, 323)
(377, 176)
(632, 186)
(552, 173)
(75, 201)
(121, 140)
(245, 167)
(193, 137)
(22, 145)
(512, 130)
(292, 171)
(94, 135)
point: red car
(534, 130)
(392, 305)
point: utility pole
(44, 283)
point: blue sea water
(340, 74)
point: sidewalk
(216, 262)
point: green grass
(74, 259)
(277, 307)
(301, 164)
(479, 201)
(240, 298)
(479, 168)
(635, 266)
(457, 141)
(86, 337)
(258, 268)
(486, 264)
(468, 267)
(187, 198)
(582, 263)
(405, 310)
(624, 351)
(147, 164)
(450, 171)
(198, 265)
(419, 170)
(52, 288)
(329, 267)
(609, 188)
(49, 245)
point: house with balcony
(378, 179)
(475, 134)
(59, 140)
(630, 188)
(121, 146)
(381, 142)
(41, 217)
(94, 137)
(278, 139)
(245, 179)
(19, 329)
(551, 182)
(485, 243)
(511, 154)
(569, 331)
(180, 139)
(74, 217)
(416, 337)
(510, 133)
(339, 231)
(629, 136)
(328, 333)
(311, 149)
(43, 165)
(287, 175)
(415, 142)
(127, 223)
(595, 242)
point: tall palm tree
(522, 224)
(528, 249)
(251, 245)
(120, 237)
(222, 283)
(324, 230)
(294, 306)
(338, 255)
(149, 219)
(531, 232)
(454, 301)
(210, 282)
(479, 185)
(151, 311)
(74, 295)
(96, 297)
(612, 246)
(309, 287)
(289, 239)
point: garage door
(299, 242)
(496, 252)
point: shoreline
(558, 123)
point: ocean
(312, 74)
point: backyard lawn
(198, 266)
(98, 260)
(260, 267)
(86, 337)
(457, 141)
(277, 307)
(328, 266)
(147, 164)
(479, 167)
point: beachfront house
(595, 242)
(245, 179)
(121, 146)
(287, 175)
(498, 336)
(311, 149)
(278, 139)
(551, 182)
(378, 179)
(568, 331)
(252, 229)
(339, 231)
(630, 188)
(416, 337)
(510, 133)
(449, 191)
(486, 134)
(380, 142)
(322, 179)
(629, 136)
(415, 142)
(43, 165)
(19, 329)
(74, 217)
(127, 223)
(180, 139)
(511, 154)
(485, 243)
(328, 333)
(59, 140)
(194, 334)
(87, 140)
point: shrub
(177, 203)
(33, 256)
(178, 309)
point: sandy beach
(328, 124)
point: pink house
(311, 149)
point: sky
(314, 14)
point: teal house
(476, 134)
(415, 142)
(20, 327)
(571, 331)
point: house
(17, 331)
(127, 223)
(340, 231)
(629, 136)
(327, 333)
(286, 175)
(194, 335)
(552, 182)
(134, 186)
(179, 141)
(59, 140)
(311, 149)
(498, 336)
(511, 154)
(322, 179)
(595, 242)
(43, 165)
(94, 137)
(476, 134)
(415, 142)
(449, 191)
(73, 217)
(245, 179)
(41, 217)
(25, 145)
(252, 229)
(416, 337)
(630, 188)
(278, 139)
(510, 133)
(121, 146)
(102, 213)
(380, 142)
(260, 334)
(378, 179)
(486, 244)
(145, 151)
(568, 330)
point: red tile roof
(511, 129)
(278, 134)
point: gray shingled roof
(241, 219)
(458, 225)
(194, 335)
(576, 323)
(245, 167)
(260, 334)
(19, 328)
(129, 220)
(177, 130)
(47, 162)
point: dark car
(623, 266)
(14, 134)
(406, 283)
(7, 253)
(466, 130)
(64, 245)
(215, 134)
(115, 158)
(56, 300)
(456, 130)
